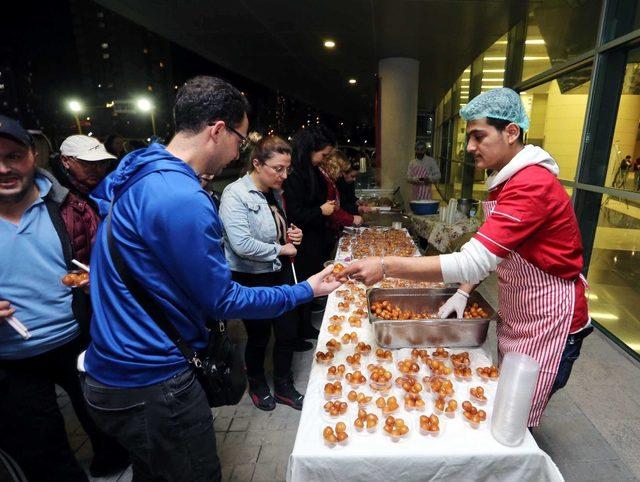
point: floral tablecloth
(441, 235)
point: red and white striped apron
(420, 191)
(536, 310)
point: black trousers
(32, 427)
(167, 427)
(285, 327)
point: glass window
(624, 19)
(614, 271)
(493, 65)
(556, 110)
(623, 171)
(558, 31)
(462, 86)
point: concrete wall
(398, 112)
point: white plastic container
(518, 378)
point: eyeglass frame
(245, 142)
(280, 170)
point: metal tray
(451, 332)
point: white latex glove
(457, 303)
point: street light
(76, 107)
(145, 105)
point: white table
(458, 453)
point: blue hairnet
(500, 103)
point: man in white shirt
(422, 172)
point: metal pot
(468, 206)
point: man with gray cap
(530, 237)
(42, 228)
(422, 172)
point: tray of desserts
(408, 317)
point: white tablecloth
(459, 453)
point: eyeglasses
(245, 142)
(280, 170)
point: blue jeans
(167, 428)
(570, 354)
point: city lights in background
(144, 104)
(75, 107)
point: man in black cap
(40, 227)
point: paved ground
(591, 429)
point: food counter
(355, 386)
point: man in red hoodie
(530, 237)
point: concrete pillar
(398, 116)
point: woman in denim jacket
(259, 247)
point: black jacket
(304, 193)
(348, 199)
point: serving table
(459, 452)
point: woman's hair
(305, 143)
(332, 167)
(265, 147)
(341, 159)
(308, 141)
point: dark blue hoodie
(170, 235)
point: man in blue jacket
(138, 385)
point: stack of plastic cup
(518, 378)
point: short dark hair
(204, 100)
(501, 124)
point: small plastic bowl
(380, 388)
(430, 433)
(486, 379)
(326, 362)
(438, 412)
(353, 366)
(450, 413)
(367, 432)
(356, 385)
(327, 417)
(396, 438)
(473, 425)
(335, 445)
(385, 413)
(462, 379)
(478, 401)
(329, 397)
(365, 353)
(383, 361)
(436, 395)
(416, 409)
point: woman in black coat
(305, 194)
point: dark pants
(570, 354)
(167, 428)
(285, 328)
(32, 427)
